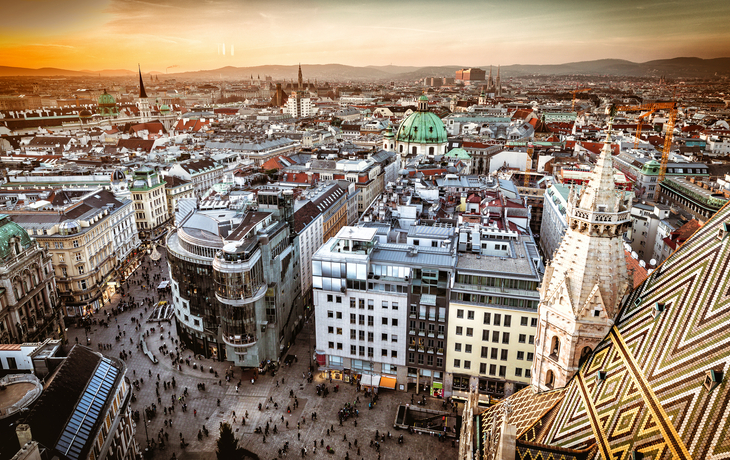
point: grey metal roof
(399, 254)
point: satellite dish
(634, 255)
(642, 264)
(652, 262)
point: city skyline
(160, 34)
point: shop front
(437, 389)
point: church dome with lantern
(107, 106)
(421, 133)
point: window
(394, 322)
(482, 368)
(439, 362)
(394, 305)
(495, 336)
(361, 320)
(502, 371)
(385, 304)
(394, 338)
(523, 321)
(361, 335)
(457, 363)
(459, 313)
(339, 315)
(352, 302)
(518, 372)
(467, 364)
(411, 358)
(521, 355)
(485, 352)
(530, 355)
(330, 314)
(555, 348)
(371, 337)
(528, 373)
(420, 359)
(494, 353)
(531, 341)
(459, 330)
(332, 345)
(467, 348)
(330, 330)
(393, 353)
(507, 320)
(353, 318)
(470, 314)
(492, 369)
(470, 332)
(457, 347)
(338, 299)
(384, 321)
(371, 352)
(353, 334)
(522, 338)
(383, 352)
(503, 355)
(485, 335)
(487, 318)
(361, 303)
(497, 319)
(353, 350)
(371, 304)
(81, 269)
(533, 322)
(362, 351)
(505, 337)
(330, 297)
(339, 331)
(384, 337)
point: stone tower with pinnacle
(586, 280)
(143, 102)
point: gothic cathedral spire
(583, 286)
(143, 103)
(142, 92)
(300, 86)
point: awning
(367, 380)
(163, 285)
(387, 382)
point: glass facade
(240, 285)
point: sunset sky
(118, 34)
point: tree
(227, 446)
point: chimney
(23, 433)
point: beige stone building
(81, 240)
(177, 189)
(585, 281)
(28, 302)
(150, 204)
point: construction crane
(575, 92)
(668, 137)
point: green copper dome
(106, 99)
(8, 230)
(422, 127)
(164, 109)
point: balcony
(422, 332)
(421, 348)
(429, 350)
(242, 341)
(412, 347)
(440, 351)
(431, 334)
(440, 335)
(411, 332)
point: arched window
(584, 354)
(414, 150)
(549, 379)
(555, 348)
(430, 151)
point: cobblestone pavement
(248, 396)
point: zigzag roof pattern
(643, 387)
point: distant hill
(682, 67)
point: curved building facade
(235, 285)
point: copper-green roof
(8, 230)
(422, 127)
